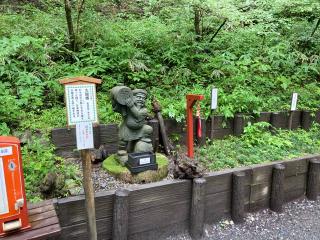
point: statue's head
(139, 96)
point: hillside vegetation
(266, 50)
(256, 52)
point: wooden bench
(44, 223)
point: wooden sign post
(214, 105)
(80, 96)
(293, 108)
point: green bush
(258, 145)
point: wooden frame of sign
(86, 92)
(81, 80)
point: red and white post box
(13, 204)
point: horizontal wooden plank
(40, 210)
(166, 192)
(72, 210)
(52, 232)
(260, 191)
(159, 216)
(280, 119)
(295, 182)
(295, 194)
(263, 117)
(42, 216)
(221, 181)
(217, 205)
(108, 133)
(296, 166)
(262, 173)
(80, 232)
(41, 204)
(161, 233)
(259, 205)
(222, 133)
(44, 222)
(65, 137)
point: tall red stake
(191, 100)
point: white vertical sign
(81, 103)
(4, 208)
(84, 133)
(294, 101)
(214, 98)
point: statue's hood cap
(135, 91)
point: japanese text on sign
(81, 103)
(5, 151)
(84, 132)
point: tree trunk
(197, 22)
(68, 10)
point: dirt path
(299, 220)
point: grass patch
(258, 145)
(112, 166)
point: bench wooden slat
(41, 233)
(42, 216)
(44, 223)
(41, 210)
(40, 204)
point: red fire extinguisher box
(13, 204)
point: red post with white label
(191, 100)
(13, 204)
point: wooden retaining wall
(160, 209)
(65, 141)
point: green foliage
(258, 145)
(38, 160)
(263, 53)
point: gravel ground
(104, 181)
(299, 220)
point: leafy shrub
(38, 160)
(258, 145)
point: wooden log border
(107, 135)
(162, 209)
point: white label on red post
(84, 132)
(5, 151)
(4, 208)
(294, 101)
(214, 98)
(81, 103)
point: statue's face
(140, 99)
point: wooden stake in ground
(164, 136)
(80, 95)
(89, 193)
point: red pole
(191, 100)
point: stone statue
(134, 134)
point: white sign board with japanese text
(214, 98)
(84, 133)
(294, 101)
(4, 207)
(81, 103)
